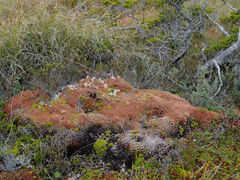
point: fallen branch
(221, 58)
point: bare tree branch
(219, 26)
(225, 2)
(190, 29)
(184, 51)
(221, 58)
(219, 77)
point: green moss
(194, 124)
(110, 145)
(49, 124)
(40, 106)
(100, 147)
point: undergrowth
(212, 153)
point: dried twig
(219, 26)
(137, 27)
(220, 79)
(225, 2)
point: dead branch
(219, 26)
(203, 50)
(234, 9)
(219, 77)
(190, 29)
(221, 58)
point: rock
(146, 143)
(108, 103)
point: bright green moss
(49, 124)
(100, 146)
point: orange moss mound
(109, 102)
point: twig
(203, 54)
(220, 79)
(225, 2)
(136, 27)
(220, 27)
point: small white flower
(105, 86)
(113, 78)
(72, 87)
(93, 79)
(87, 76)
(56, 96)
(118, 77)
(114, 93)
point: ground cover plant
(211, 153)
(154, 44)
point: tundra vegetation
(189, 48)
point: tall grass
(43, 40)
(47, 44)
